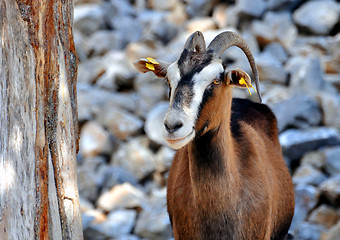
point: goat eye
(217, 82)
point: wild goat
(228, 179)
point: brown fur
(231, 181)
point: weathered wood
(38, 121)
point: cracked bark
(38, 121)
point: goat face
(199, 86)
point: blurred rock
(94, 140)
(88, 180)
(331, 112)
(276, 50)
(82, 46)
(309, 231)
(122, 196)
(295, 142)
(115, 175)
(314, 158)
(275, 27)
(120, 122)
(197, 8)
(163, 5)
(117, 224)
(306, 198)
(308, 175)
(253, 8)
(332, 159)
(325, 216)
(154, 123)
(136, 157)
(318, 17)
(164, 158)
(331, 189)
(220, 15)
(201, 24)
(333, 233)
(271, 69)
(103, 41)
(88, 18)
(90, 70)
(299, 111)
(153, 225)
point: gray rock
(275, 27)
(315, 159)
(331, 112)
(122, 196)
(333, 233)
(331, 189)
(121, 123)
(306, 198)
(309, 231)
(163, 5)
(308, 175)
(318, 17)
(296, 142)
(199, 7)
(94, 140)
(115, 175)
(154, 123)
(90, 70)
(271, 69)
(253, 8)
(164, 158)
(136, 157)
(201, 24)
(153, 225)
(276, 50)
(324, 215)
(103, 41)
(88, 18)
(299, 111)
(117, 224)
(332, 157)
(82, 46)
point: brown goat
(228, 179)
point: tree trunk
(38, 121)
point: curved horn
(195, 41)
(225, 40)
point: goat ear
(159, 68)
(238, 78)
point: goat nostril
(171, 128)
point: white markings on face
(188, 115)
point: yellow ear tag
(244, 82)
(150, 63)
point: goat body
(213, 194)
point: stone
(333, 233)
(90, 70)
(306, 198)
(201, 24)
(271, 69)
(164, 158)
(330, 106)
(115, 175)
(324, 215)
(88, 181)
(153, 225)
(332, 160)
(299, 111)
(308, 175)
(103, 41)
(122, 196)
(88, 18)
(331, 189)
(319, 17)
(220, 15)
(276, 50)
(295, 143)
(94, 140)
(309, 231)
(162, 5)
(81, 44)
(117, 224)
(154, 123)
(275, 27)
(253, 8)
(315, 159)
(199, 8)
(136, 157)
(121, 123)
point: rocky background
(123, 161)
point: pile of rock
(123, 161)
